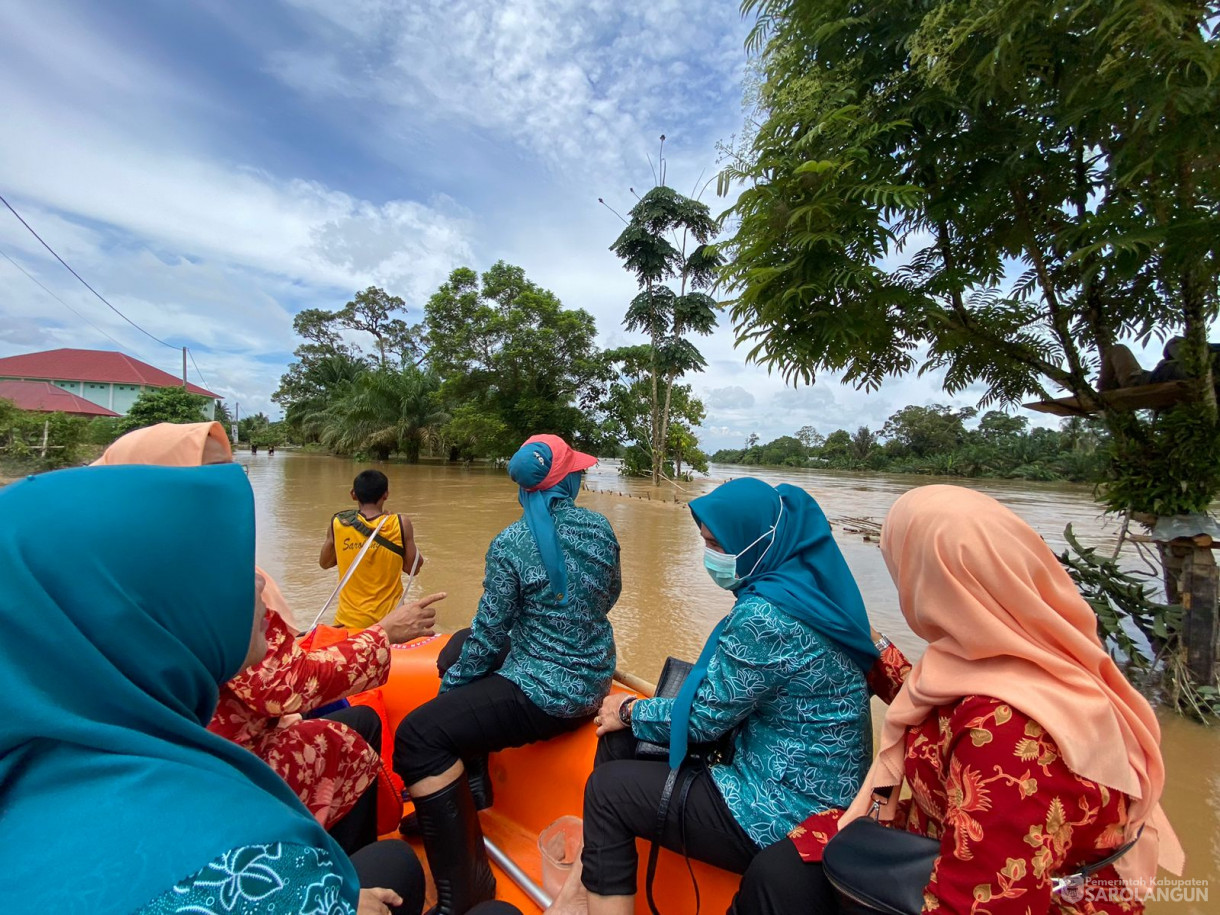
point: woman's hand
(377, 901)
(607, 718)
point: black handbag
(875, 868)
(673, 675)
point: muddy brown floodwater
(669, 604)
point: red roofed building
(44, 397)
(108, 379)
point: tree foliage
(935, 440)
(382, 412)
(628, 417)
(23, 433)
(509, 352)
(166, 405)
(1001, 191)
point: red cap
(564, 460)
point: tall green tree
(514, 358)
(925, 430)
(628, 417)
(375, 312)
(166, 405)
(998, 190)
(667, 240)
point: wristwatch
(624, 711)
(882, 643)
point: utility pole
(236, 415)
(184, 366)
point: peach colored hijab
(183, 445)
(168, 445)
(1003, 619)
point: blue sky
(214, 167)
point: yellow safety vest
(376, 587)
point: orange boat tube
(536, 785)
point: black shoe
(478, 773)
(453, 841)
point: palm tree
(385, 411)
(326, 379)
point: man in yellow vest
(376, 586)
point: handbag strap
(678, 780)
(1078, 877)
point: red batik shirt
(991, 784)
(327, 764)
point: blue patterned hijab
(116, 634)
(798, 569)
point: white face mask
(723, 566)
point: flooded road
(669, 604)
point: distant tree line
(935, 440)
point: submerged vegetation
(935, 440)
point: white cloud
(579, 84)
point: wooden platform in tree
(1140, 397)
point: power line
(196, 364)
(79, 277)
(35, 280)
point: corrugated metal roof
(97, 365)
(47, 398)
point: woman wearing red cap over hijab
(551, 579)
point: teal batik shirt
(806, 740)
(562, 658)
(259, 879)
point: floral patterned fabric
(327, 764)
(257, 879)
(562, 658)
(806, 737)
(988, 782)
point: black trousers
(480, 717)
(621, 800)
(779, 882)
(393, 866)
(358, 827)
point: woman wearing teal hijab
(113, 795)
(537, 663)
(785, 668)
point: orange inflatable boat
(536, 785)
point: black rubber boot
(453, 840)
(479, 776)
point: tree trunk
(1191, 580)
(658, 446)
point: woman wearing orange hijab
(1026, 752)
(328, 763)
